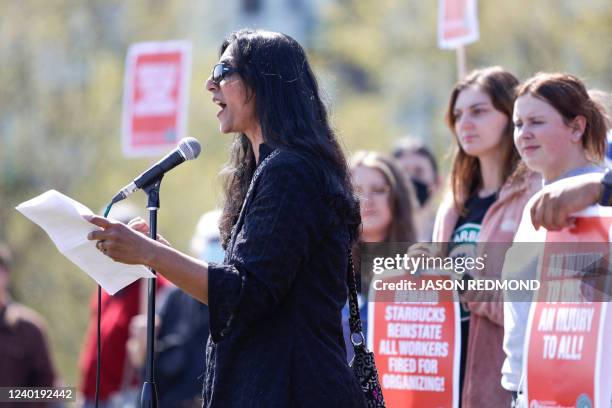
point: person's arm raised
(131, 246)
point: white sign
(155, 97)
(457, 23)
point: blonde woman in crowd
(386, 205)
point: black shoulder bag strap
(363, 364)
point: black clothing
(463, 244)
(180, 361)
(475, 209)
(275, 304)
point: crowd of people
(266, 285)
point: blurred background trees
(61, 78)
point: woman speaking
(288, 223)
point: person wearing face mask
(386, 208)
(288, 223)
(183, 330)
(560, 132)
(480, 215)
(419, 165)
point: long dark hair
(276, 72)
(500, 85)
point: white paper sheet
(62, 219)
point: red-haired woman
(560, 132)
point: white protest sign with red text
(416, 347)
(457, 23)
(568, 358)
(155, 97)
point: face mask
(213, 251)
(422, 191)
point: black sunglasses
(220, 71)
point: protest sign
(417, 347)
(155, 97)
(457, 23)
(567, 361)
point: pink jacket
(482, 386)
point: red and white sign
(457, 23)
(416, 347)
(568, 360)
(155, 96)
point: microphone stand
(148, 396)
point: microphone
(188, 148)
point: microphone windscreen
(190, 148)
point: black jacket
(180, 362)
(275, 304)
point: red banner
(417, 349)
(568, 354)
